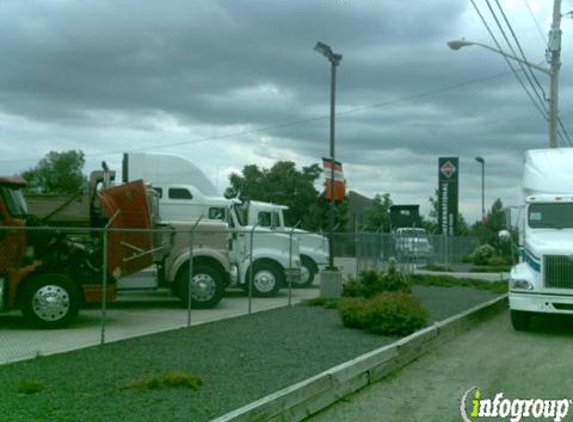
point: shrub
(483, 253)
(352, 311)
(497, 261)
(352, 288)
(395, 313)
(323, 302)
(372, 282)
(30, 387)
(166, 380)
(393, 280)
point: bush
(497, 261)
(395, 313)
(352, 311)
(483, 254)
(323, 302)
(389, 313)
(30, 387)
(372, 282)
(166, 380)
(352, 288)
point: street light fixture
(334, 60)
(482, 162)
(458, 44)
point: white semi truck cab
(542, 282)
(313, 246)
(185, 193)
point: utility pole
(554, 59)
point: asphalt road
(491, 356)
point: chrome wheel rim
(51, 303)
(264, 281)
(203, 287)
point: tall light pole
(553, 56)
(334, 60)
(482, 162)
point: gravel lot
(239, 360)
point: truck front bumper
(545, 303)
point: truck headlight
(520, 285)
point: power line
(541, 110)
(521, 65)
(305, 121)
(532, 73)
(539, 30)
(565, 133)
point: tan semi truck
(169, 252)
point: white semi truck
(542, 282)
(185, 194)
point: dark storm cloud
(130, 72)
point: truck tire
(208, 286)
(308, 270)
(267, 279)
(520, 320)
(50, 300)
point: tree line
(283, 183)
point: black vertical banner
(448, 171)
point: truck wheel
(267, 279)
(51, 300)
(520, 320)
(207, 286)
(307, 272)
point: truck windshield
(14, 201)
(551, 216)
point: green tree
(57, 172)
(488, 229)
(378, 213)
(283, 184)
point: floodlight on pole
(334, 60)
(482, 162)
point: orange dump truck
(49, 272)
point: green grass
(448, 281)
(30, 387)
(166, 380)
(491, 269)
(437, 268)
(323, 302)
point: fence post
(190, 281)
(251, 269)
(290, 273)
(105, 248)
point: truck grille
(558, 271)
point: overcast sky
(230, 83)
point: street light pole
(482, 162)
(553, 57)
(554, 50)
(334, 60)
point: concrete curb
(308, 397)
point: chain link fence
(356, 252)
(107, 284)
